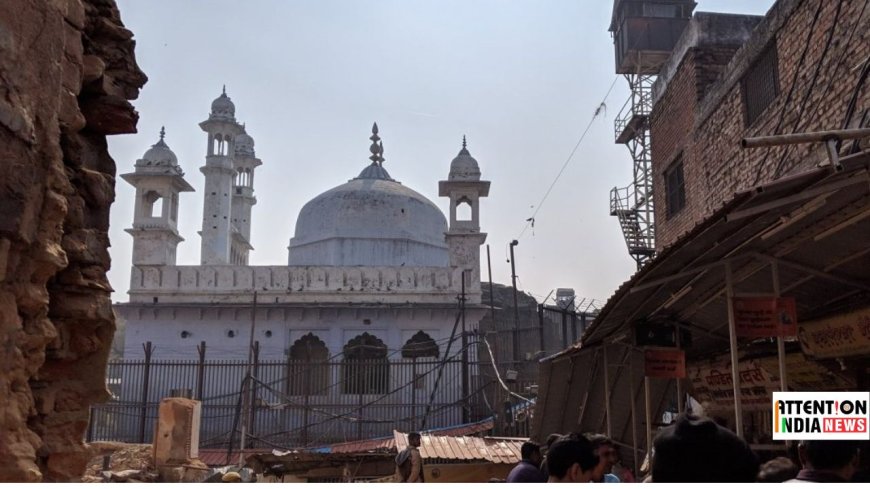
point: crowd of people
(692, 449)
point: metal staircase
(633, 205)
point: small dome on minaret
(223, 107)
(464, 166)
(159, 156)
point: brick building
(759, 132)
(798, 69)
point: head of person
(837, 457)
(696, 449)
(531, 452)
(571, 459)
(779, 469)
(414, 439)
(550, 440)
(605, 450)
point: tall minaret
(465, 188)
(245, 162)
(158, 180)
(219, 172)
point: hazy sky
(521, 78)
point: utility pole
(516, 336)
(246, 385)
(492, 305)
(466, 414)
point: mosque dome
(371, 220)
(223, 107)
(464, 166)
(159, 156)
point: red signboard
(763, 317)
(665, 363)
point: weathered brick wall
(818, 78)
(66, 72)
(672, 121)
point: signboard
(712, 385)
(763, 317)
(665, 363)
(840, 336)
(806, 374)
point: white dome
(158, 157)
(464, 166)
(244, 144)
(370, 221)
(223, 107)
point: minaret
(158, 180)
(465, 188)
(245, 161)
(219, 171)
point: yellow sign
(839, 336)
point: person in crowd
(605, 450)
(528, 469)
(827, 461)
(546, 448)
(409, 462)
(571, 459)
(696, 449)
(779, 469)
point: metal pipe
(805, 137)
(735, 369)
(633, 409)
(607, 392)
(647, 412)
(516, 302)
(780, 340)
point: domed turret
(245, 144)
(464, 166)
(158, 158)
(223, 107)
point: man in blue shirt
(528, 469)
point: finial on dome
(224, 92)
(463, 141)
(381, 153)
(375, 148)
(162, 132)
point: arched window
(365, 368)
(463, 209)
(153, 204)
(307, 369)
(421, 345)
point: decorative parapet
(235, 284)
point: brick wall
(817, 80)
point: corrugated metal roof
(465, 448)
(822, 266)
(386, 444)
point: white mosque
(374, 266)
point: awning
(811, 231)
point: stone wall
(298, 284)
(822, 47)
(67, 71)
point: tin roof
(813, 226)
(434, 448)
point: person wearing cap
(827, 461)
(696, 449)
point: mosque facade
(374, 269)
